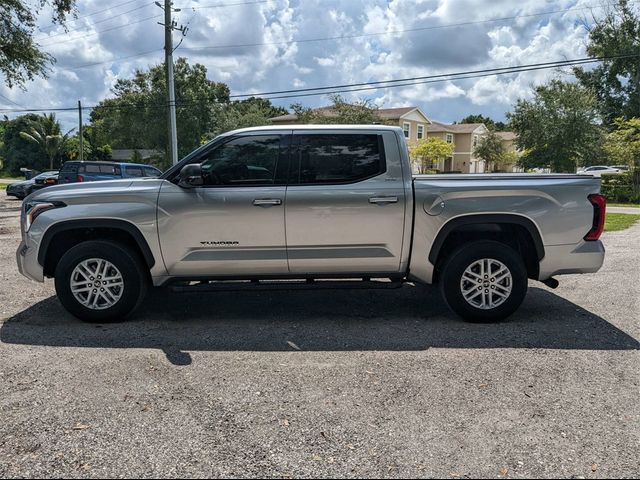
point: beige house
(464, 137)
(412, 120)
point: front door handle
(267, 202)
(383, 200)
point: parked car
(21, 189)
(349, 205)
(598, 170)
(45, 181)
(73, 172)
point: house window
(449, 138)
(407, 129)
(475, 140)
(420, 132)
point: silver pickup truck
(310, 207)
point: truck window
(247, 160)
(343, 158)
(151, 172)
(134, 171)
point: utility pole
(80, 130)
(169, 26)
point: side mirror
(190, 176)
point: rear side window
(99, 169)
(339, 158)
(109, 169)
(69, 167)
(151, 172)
(134, 171)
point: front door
(345, 206)
(234, 224)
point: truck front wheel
(100, 281)
(484, 281)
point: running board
(270, 285)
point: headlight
(34, 208)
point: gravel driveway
(325, 383)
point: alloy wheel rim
(96, 283)
(486, 283)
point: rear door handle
(267, 202)
(383, 200)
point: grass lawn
(619, 221)
(3, 186)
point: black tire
(134, 278)
(452, 277)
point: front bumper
(584, 257)
(27, 258)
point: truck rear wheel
(100, 281)
(484, 281)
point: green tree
(252, 112)
(137, 116)
(508, 159)
(491, 150)
(615, 81)
(72, 148)
(622, 145)
(18, 152)
(21, 59)
(339, 112)
(46, 133)
(488, 122)
(429, 152)
(558, 128)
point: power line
(374, 85)
(132, 23)
(392, 32)
(420, 82)
(50, 27)
(94, 23)
(117, 27)
(558, 63)
(11, 101)
(134, 55)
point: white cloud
(432, 46)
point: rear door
(68, 173)
(234, 224)
(345, 205)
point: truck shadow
(407, 319)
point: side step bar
(270, 285)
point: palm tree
(46, 133)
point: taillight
(599, 203)
(79, 178)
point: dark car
(73, 172)
(24, 188)
(42, 181)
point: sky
(268, 45)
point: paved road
(633, 210)
(330, 384)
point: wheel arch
(491, 226)
(61, 236)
